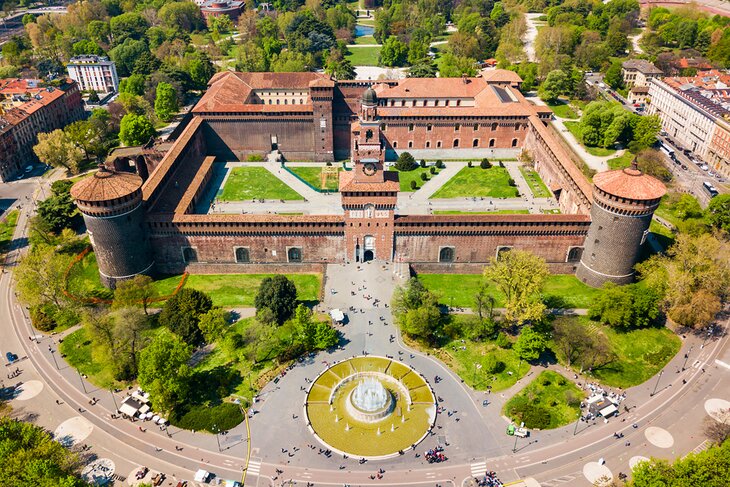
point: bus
(710, 189)
(667, 150)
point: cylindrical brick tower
(623, 204)
(111, 203)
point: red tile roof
(106, 185)
(348, 183)
(630, 183)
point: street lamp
(686, 356)
(657, 383)
(53, 355)
(217, 440)
(575, 431)
(81, 378)
(114, 399)
(514, 448)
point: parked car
(11, 357)
(141, 473)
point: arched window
(438, 144)
(294, 254)
(395, 144)
(410, 144)
(428, 144)
(458, 103)
(501, 250)
(514, 142)
(446, 254)
(475, 143)
(242, 256)
(286, 101)
(476, 127)
(190, 255)
(429, 127)
(491, 142)
(457, 127)
(410, 127)
(456, 142)
(494, 126)
(278, 101)
(574, 254)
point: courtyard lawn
(560, 291)
(534, 181)
(563, 109)
(549, 401)
(365, 40)
(313, 175)
(255, 182)
(478, 182)
(640, 354)
(622, 161)
(363, 56)
(574, 129)
(496, 212)
(405, 178)
(7, 228)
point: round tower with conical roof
(624, 201)
(111, 204)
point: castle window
(476, 127)
(395, 144)
(402, 103)
(475, 143)
(383, 127)
(294, 254)
(190, 254)
(438, 144)
(278, 101)
(410, 144)
(410, 127)
(458, 103)
(269, 101)
(242, 255)
(456, 142)
(457, 127)
(501, 250)
(447, 102)
(494, 126)
(514, 142)
(436, 103)
(429, 127)
(286, 102)
(491, 142)
(428, 144)
(446, 254)
(574, 254)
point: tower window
(494, 126)
(410, 144)
(438, 144)
(575, 254)
(446, 254)
(242, 255)
(514, 142)
(294, 254)
(395, 144)
(491, 142)
(476, 127)
(456, 142)
(428, 144)
(475, 143)
(457, 127)
(429, 127)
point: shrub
(414, 185)
(224, 416)
(535, 416)
(502, 341)
(511, 182)
(423, 163)
(255, 158)
(406, 162)
(41, 317)
(328, 163)
(440, 164)
(424, 176)
(485, 164)
(469, 164)
(432, 170)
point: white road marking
(722, 364)
(478, 469)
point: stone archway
(368, 255)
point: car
(637, 104)
(11, 357)
(721, 180)
(28, 168)
(684, 167)
(704, 167)
(687, 152)
(710, 173)
(141, 473)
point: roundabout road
(475, 435)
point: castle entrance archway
(369, 248)
(368, 256)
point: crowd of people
(490, 480)
(436, 455)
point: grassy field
(363, 56)
(561, 290)
(7, 228)
(640, 354)
(405, 178)
(664, 236)
(622, 161)
(254, 182)
(562, 109)
(83, 280)
(365, 40)
(475, 181)
(496, 212)
(534, 181)
(313, 175)
(594, 151)
(548, 402)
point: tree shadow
(212, 385)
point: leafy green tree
(40, 277)
(279, 294)
(200, 68)
(135, 292)
(625, 307)
(555, 84)
(290, 61)
(181, 314)
(424, 68)
(31, 456)
(452, 66)
(99, 31)
(57, 211)
(498, 15)
(645, 132)
(213, 324)
(394, 52)
(718, 212)
(87, 137)
(163, 371)
(416, 311)
(520, 275)
(117, 339)
(56, 149)
(613, 77)
(710, 468)
(133, 85)
(406, 162)
(129, 25)
(136, 130)
(185, 16)
(126, 54)
(86, 47)
(530, 344)
(166, 104)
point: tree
(645, 132)
(651, 162)
(163, 371)
(406, 162)
(555, 84)
(717, 427)
(55, 149)
(57, 212)
(136, 130)
(133, 85)
(710, 468)
(279, 294)
(424, 68)
(530, 344)
(126, 54)
(452, 66)
(625, 307)
(87, 137)
(129, 25)
(181, 314)
(416, 311)
(166, 104)
(200, 68)
(483, 303)
(31, 456)
(213, 324)
(393, 53)
(134, 292)
(40, 277)
(185, 16)
(520, 275)
(498, 15)
(570, 338)
(117, 339)
(718, 212)
(613, 77)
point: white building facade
(96, 73)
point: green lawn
(669, 211)
(478, 182)
(574, 129)
(405, 178)
(548, 402)
(363, 56)
(640, 354)
(537, 186)
(83, 280)
(622, 161)
(496, 212)
(7, 228)
(561, 290)
(313, 175)
(664, 236)
(365, 40)
(562, 109)
(255, 182)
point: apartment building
(95, 73)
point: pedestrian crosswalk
(478, 469)
(254, 467)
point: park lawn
(405, 178)
(560, 291)
(239, 290)
(313, 175)
(368, 22)
(622, 161)
(669, 213)
(478, 182)
(574, 129)
(534, 181)
(664, 236)
(551, 397)
(83, 279)
(563, 109)
(255, 182)
(496, 212)
(365, 40)
(363, 56)
(7, 229)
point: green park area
(363, 56)
(405, 178)
(534, 181)
(574, 128)
(255, 182)
(478, 182)
(313, 176)
(226, 290)
(563, 109)
(458, 290)
(365, 40)
(622, 161)
(7, 228)
(548, 402)
(495, 212)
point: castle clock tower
(369, 193)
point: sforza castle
(152, 215)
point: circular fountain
(370, 401)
